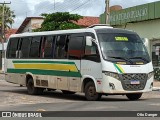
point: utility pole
(54, 5)
(107, 11)
(3, 34)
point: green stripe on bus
(53, 62)
(118, 68)
(46, 72)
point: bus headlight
(111, 74)
(150, 75)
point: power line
(80, 5)
(60, 7)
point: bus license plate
(135, 82)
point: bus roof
(93, 29)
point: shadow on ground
(74, 97)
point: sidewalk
(156, 85)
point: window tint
(48, 46)
(91, 50)
(60, 52)
(35, 47)
(25, 47)
(92, 53)
(12, 48)
(76, 50)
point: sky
(34, 8)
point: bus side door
(75, 52)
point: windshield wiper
(140, 58)
(122, 58)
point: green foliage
(59, 21)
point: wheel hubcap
(91, 91)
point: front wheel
(134, 96)
(90, 92)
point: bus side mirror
(89, 40)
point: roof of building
(84, 22)
(10, 32)
(87, 21)
(25, 22)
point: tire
(33, 90)
(134, 96)
(68, 92)
(40, 91)
(51, 89)
(90, 92)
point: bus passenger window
(48, 46)
(25, 47)
(34, 49)
(60, 52)
(76, 50)
(12, 48)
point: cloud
(23, 8)
(82, 7)
(130, 3)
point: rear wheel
(134, 96)
(68, 92)
(33, 90)
(90, 92)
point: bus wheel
(48, 89)
(40, 91)
(134, 96)
(90, 92)
(68, 92)
(33, 90)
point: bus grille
(127, 78)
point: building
(9, 32)
(31, 23)
(145, 20)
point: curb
(156, 89)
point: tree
(8, 17)
(59, 21)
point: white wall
(146, 29)
(36, 23)
(28, 28)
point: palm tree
(8, 17)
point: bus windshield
(122, 47)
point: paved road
(15, 98)
(77, 103)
